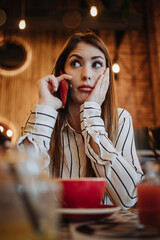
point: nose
(86, 73)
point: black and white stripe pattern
(117, 161)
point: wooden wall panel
(133, 85)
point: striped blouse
(117, 161)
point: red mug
(82, 192)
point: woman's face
(85, 64)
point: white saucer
(88, 210)
(88, 213)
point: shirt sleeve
(117, 162)
(38, 129)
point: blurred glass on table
(149, 196)
(28, 198)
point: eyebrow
(78, 56)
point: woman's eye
(75, 63)
(97, 64)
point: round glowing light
(22, 24)
(1, 129)
(9, 133)
(116, 68)
(93, 11)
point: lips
(85, 88)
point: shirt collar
(66, 124)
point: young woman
(90, 136)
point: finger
(105, 80)
(64, 77)
(54, 81)
(52, 84)
(51, 81)
(99, 81)
(106, 73)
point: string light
(22, 24)
(93, 11)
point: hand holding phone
(65, 91)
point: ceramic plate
(85, 214)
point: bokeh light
(22, 24)
(9, 133)
(116, 68)
(1, 129)
(93, 11)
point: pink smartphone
(65, 91)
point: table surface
(120, 226)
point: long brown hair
(109, 107)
